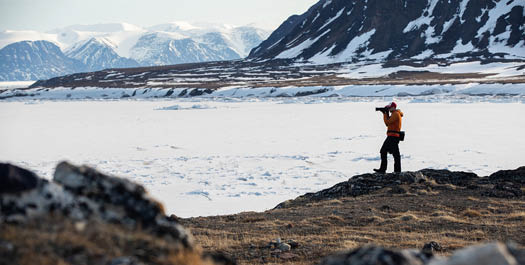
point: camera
(383, 109)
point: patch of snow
(323, 57)
(496, 70)
(501, 8)
(355, 44)
(483, 11)
(462, 48)
(462, 9)
(277, 42)
(423, 19)
(430, 37)
(297, 50)
(193, 107)
(15, 84)
(380, 56)
(316, 17)
(448, 24)
(333, 18)
(423, 55)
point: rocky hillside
(383, 30)
(85, 217)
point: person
(391, 144)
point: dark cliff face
(343, 30)
(32, 60)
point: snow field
(209, 156)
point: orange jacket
(394, 122)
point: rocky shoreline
(85, 217)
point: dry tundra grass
(452, 216)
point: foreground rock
(488, 254)
(79, 198)
(376, 255)
(82, 193)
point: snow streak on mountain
(382, 30)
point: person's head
(392, 106)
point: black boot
(384, 163)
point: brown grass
(56, 240)
(452, 216)
(471, 213)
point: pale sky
(43, 15)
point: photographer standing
(394, 135)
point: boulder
(431, 247)
(15, 179)
(118, 198)
(519, 254)
(516, 175)
(372, 255)
(285, 247)
(25, 195)
(82, 193)
(489, 254)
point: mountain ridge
(43, 58)
(377, 30)
(122, 45)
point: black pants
(391, 145)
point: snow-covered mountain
(385, 30)
(119, 45)
(162, 49)
(33, 60)
(98, 53)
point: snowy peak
(32, 60)
(239, 39)
(161, 49)
(98, 53)
(381, 30)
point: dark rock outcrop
(517, 176)
(502, 184)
